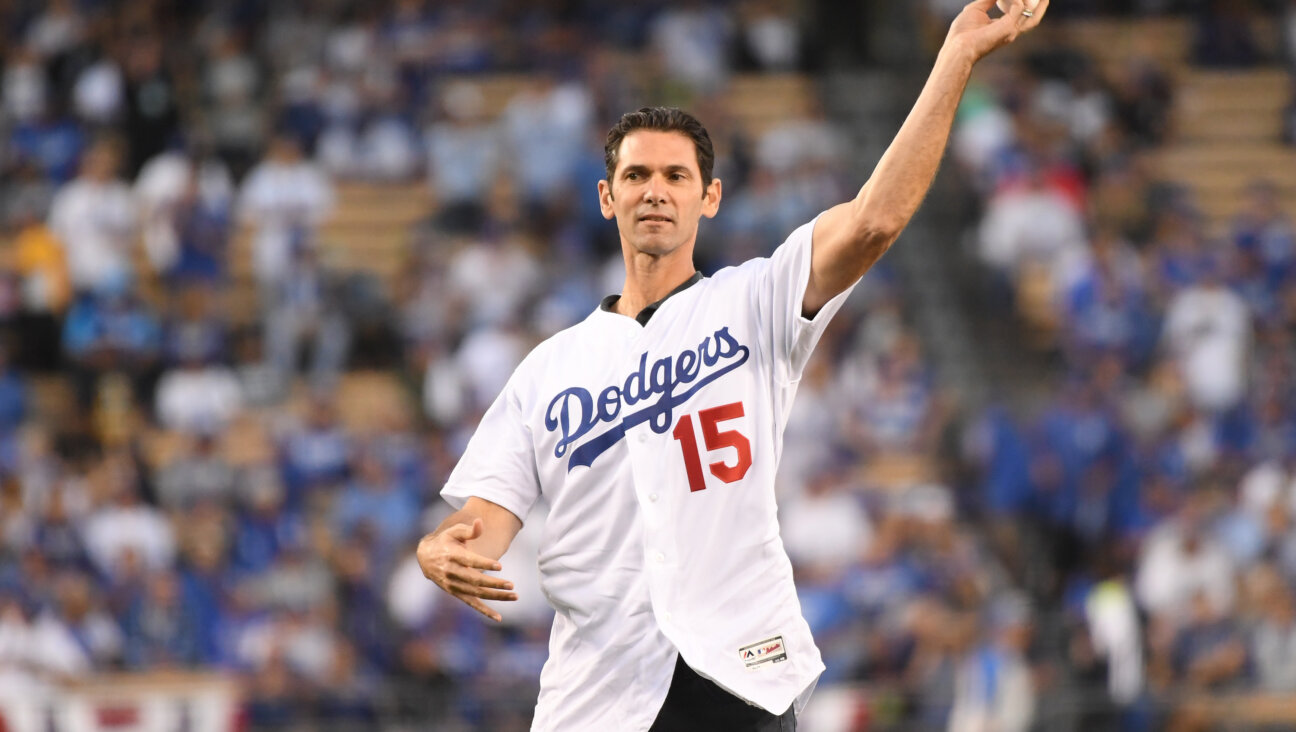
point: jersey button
(652, 497)
(643, 437)
(660, 557)
(667, 617)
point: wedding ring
(1028, 13)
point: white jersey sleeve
(779, 289)
(499, 462)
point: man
(654, 427)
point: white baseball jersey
(656, 446)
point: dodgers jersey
(656, 447)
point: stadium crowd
(1159, 478)
(272, 539)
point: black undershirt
(642, 318)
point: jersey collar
(649, 309)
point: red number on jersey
(715, 440)
(688, 444)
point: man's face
(656, 192)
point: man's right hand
(445, 559)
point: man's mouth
(656, 218)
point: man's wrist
(956, 53)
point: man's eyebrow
(640, 168)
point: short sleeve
(499, 462)
(780, 290)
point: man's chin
(656, 246)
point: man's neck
(651, 278)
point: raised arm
(851, 236)
(469, 541)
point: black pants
(695, 704)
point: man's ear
(711, 198)
(605, 200)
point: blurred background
(264, 264)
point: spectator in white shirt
(1208, 331)
(1030, 223)
(285, 198)
(94, 217)
(1180, 560)
(127, 525)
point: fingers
(474, 560)
(477, 578)
(1040, 9)
(481, 607)
(463, 589)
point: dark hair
(663, 119)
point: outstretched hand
(446, 559)
(980, 34)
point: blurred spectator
(126, 526)
(36, 652)
(1264, 235)
(317, 451)
(185, 201)
(993, 688)
(304, 312)
(1208, 331)
(13, 395)
(378, 144)
(95, 219)
(494, 277)
(46, 288)
(1224, 37)
(1180, 563)
(1115, 634)
(78, 610)
(152, 103)
(768, 36)
(1210, 651)
(1273, 642)
(462, 151)
(26, 90)
(1105, 306)
(99, 93)
(195, 330)
(545, 126)
(57, 30)
(824, 528)
(263, 527)
(285, 198)
(199, 473)
(161, 631)
(692, 41)
(1032, 225)
(197, 396)
(375, 506)
(232, 88)
(111, 334)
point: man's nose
(655, 191)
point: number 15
(715, 440)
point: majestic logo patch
(574, 412)
(768, 651)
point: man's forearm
(905, 172)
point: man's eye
(632, 176)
